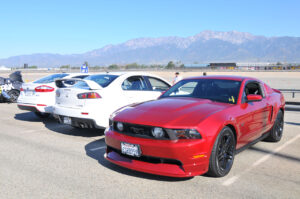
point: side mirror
(253, 98)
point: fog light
(158, 132)
(120, 126)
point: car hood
(171, 112)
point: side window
(253, 88)
(157, 84)
(134, 83)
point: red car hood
(171, 112)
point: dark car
(10, 87)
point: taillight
(44, 88)
(91, 95)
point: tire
(42, 115)
(13, 94)
(277, 129)
(222, 155)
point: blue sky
(77, 26)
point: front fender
(212, 126)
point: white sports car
(90, 102)
(39, 96)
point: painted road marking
(98, 148)
(259, 161)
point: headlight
(120, 126)
(185, 133)
(158, 132)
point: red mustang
(195, 127)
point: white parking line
(30, 131)
(259, 161)
(98, 148)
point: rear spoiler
(68, 82)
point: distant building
(222, 65)
(196, 65)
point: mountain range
(205, 47)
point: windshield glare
(102, 80)
(50, 78)
(219, 90)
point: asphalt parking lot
(44, 159)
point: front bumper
(182, 158)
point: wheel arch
(217, 131)
(234, 132)
(282, 110)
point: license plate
(130, 149)
(67, 120)
(29, 93)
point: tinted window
(81, 76)
(253, 88)
(134, 83)
(214, 89)
(72, 82)
(157, 84)
(81, 85)
(102, 80)
(50, 78)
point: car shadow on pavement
(96, 150)
(265, 151)
(51, 124)
(30, 117)
(69, 130)
(292, 123)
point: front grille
(137, 130)
(153, 160)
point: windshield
(50, 78)
(219, 90)
(102, 80)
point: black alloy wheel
(13, 94)
(222, 156)
(277, 129)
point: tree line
(170, 65)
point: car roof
(125, 74)
(76, 74)
(133, 73)
(225, 77)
